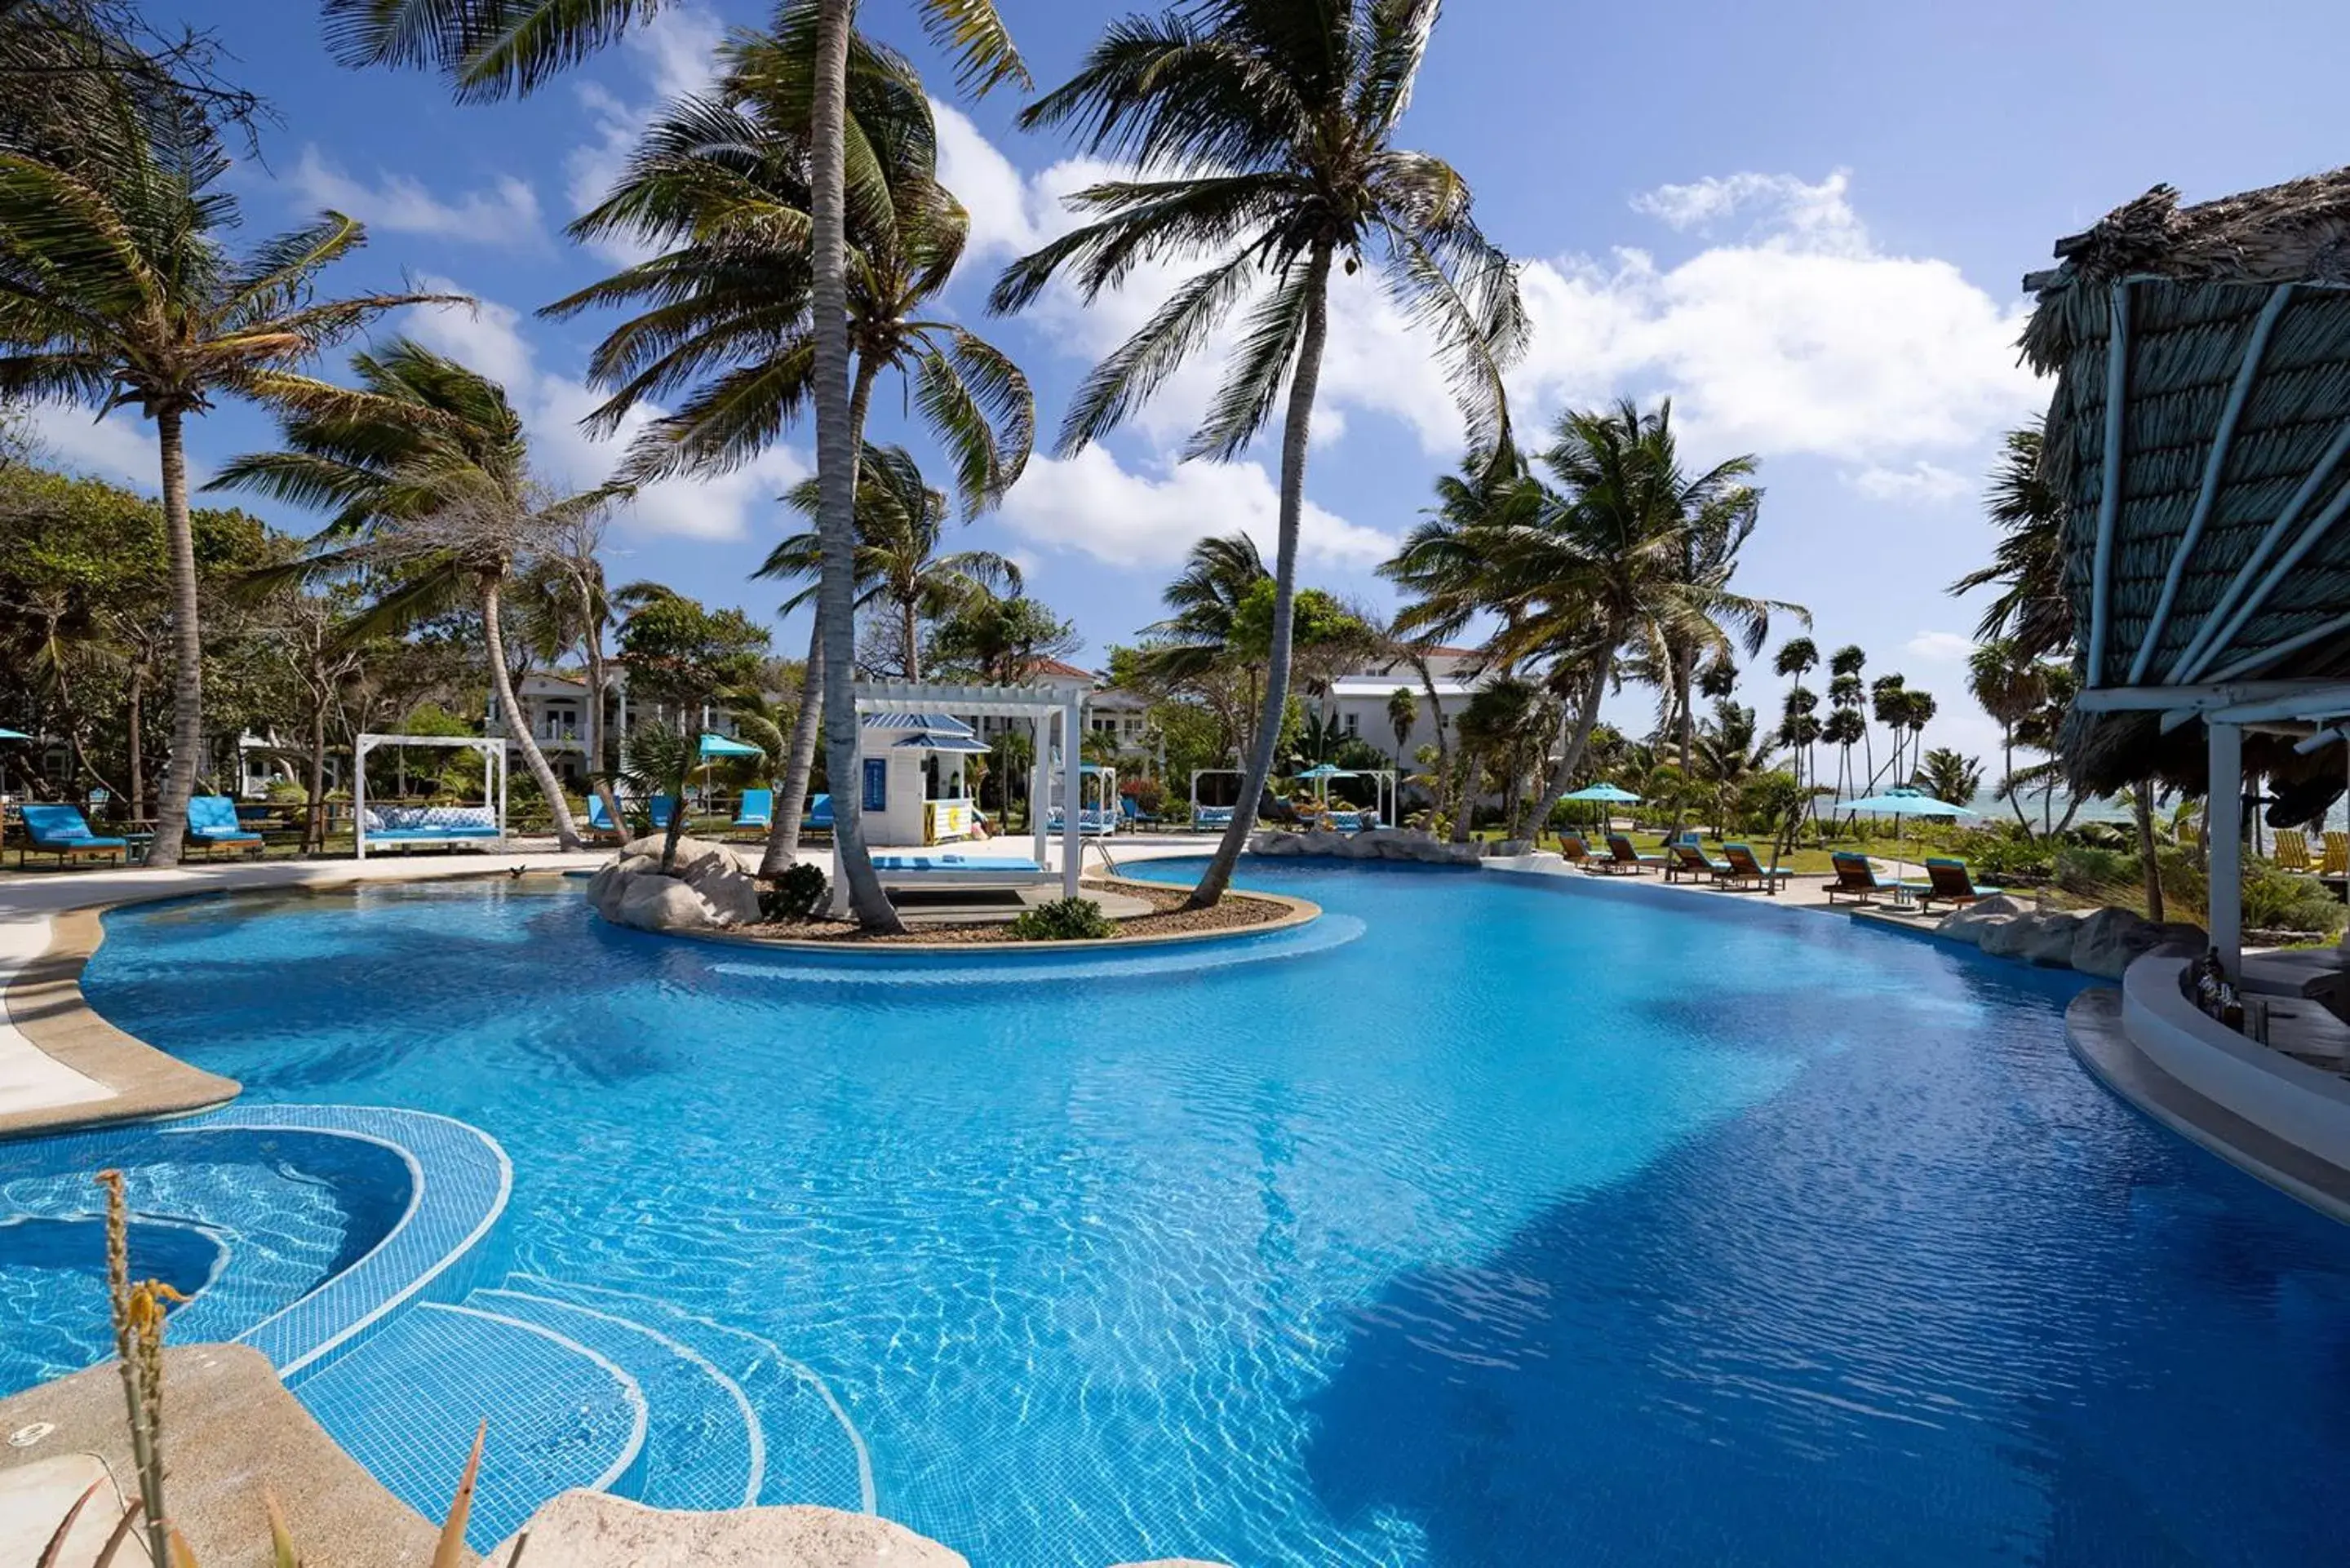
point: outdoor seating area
(62, 831)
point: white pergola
(1039, 705)
(493, 773)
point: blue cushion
(62, 824)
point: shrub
(1064, 920)
(793, 896)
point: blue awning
(938, 723)
(962, 745)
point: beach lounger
(1135, 815)
(600, 825)
(661, 810)
(820, 814)
(1746, 871)
(1689, 860)
(2337, 856)
(2291, 852)
(212, 824)
(1208, 817)
(411, 826)
(1857, 879)
(59, 830)
(1949, 882)
(914, 871)
(1623, 858)
(757, 811)
(1577, 851)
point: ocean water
(1510, 1222)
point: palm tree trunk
(2149, 862)
(799, 765)
(1464, 810)
(1296, 429)
(910, 626)
(598, 681)
(1586, 718)
(836, 465)
(566, 833)
(137, 738)
(314, 816)
(188, 649)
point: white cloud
(120, 446)
(488, 338)
(674, 55)
(1090, 504)
(1799, 335)
(505, 213)
(1941, 647)
(1922, 484)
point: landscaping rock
(731, 892)
(710, 891)
(2044, 938)
(1969, 924)
(589, 1530)
(660, 904)
(2108, 942)
(1371, 844)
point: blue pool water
(1533, 1223)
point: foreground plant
(138, 1310)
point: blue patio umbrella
(1605, 794)
(720, 746)
(1900, 800)
(14, 735)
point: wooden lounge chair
(1857, 879)
(600, 825)
(1947, 883)
(1747, 872)
(1577, 851)
(59, 830)
(1693, 862)
(2337, 856)
(2291, 852)
(212, 826)
(1623, 858)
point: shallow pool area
(1497, 1220)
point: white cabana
(1056, 721)
(412, 826)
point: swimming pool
(1534, 1223)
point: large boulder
(707, 890)
(691, 852)
(589, 1530)
(662, 904)
(2043, 937)
(2108, 942)
(731, 892)
(1970, 923)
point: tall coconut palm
(1403, 714)
(1198, 642)
(426, 471)
(901, 522)
(1885, 705)
(1844, 729)
(2031, 609)
(493, 47)
(729, 313)
(1264, 135)
(116, 290)
(1796, 657)
(1577, 574)
(2010, 688)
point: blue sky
(1807, 220)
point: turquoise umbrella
(720, 746)
(14, 735)
(1606, 794)
(1900, 800)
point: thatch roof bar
(2206, 695)
(2275, 651)
(2319, 526)
(2320, 700)
(2109, 499)
(2207, 642)
(2248, 370)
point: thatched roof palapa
(2233, 438)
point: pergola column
(2223, 831)
(1073, 841)
(1039, 781)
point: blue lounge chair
(1745, 869)
(757, 813)
(1623, 858)
(1947, 881)
(59, 830)
(1689, 860)
(1857, 879)
(212, 824)
(661, 810)
(1213, 817)
(820, 814)
(600, 822)
(1134, 813)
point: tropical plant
(1062, 920)
(2031, 609)
(1887, 704)
(1796, 657)
(138, 1312)
(660, 759)
(1403, 714)
(116, 290)
(795, 894)
(2010, 686)
(1947, 775)
(732, 314)
(1264, 133)
(1505, 730)
(426, 471)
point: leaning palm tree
(116, 290)
(1264, 134)
(426, 470)
(731, 318)
(2031, 609)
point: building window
(876, 784)
(1353, 724)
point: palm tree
(661, 760)
(1265, 133)
(493, 47)
(428, 473)
(2009, 686)
(2031, 609)
(116, 290)
(1577, 575)
(730, 315)
(1796, 659)
(1730, 755)
(1918, 709)
(1844, 729)
(1947, 776)
(1885, 705)
(899, 523)
(1403, 712)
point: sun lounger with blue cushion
(662, 809)
(1622, 857)
(820, 814)
(1134, 813)
(59, 830)
(600, 823)
(212, 824)
(757, 813)
(1748, 872)
(905, 871)
(1213, 817)
(1948, 882)
(411, 826)
(1857, 879)
(1689, 860)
